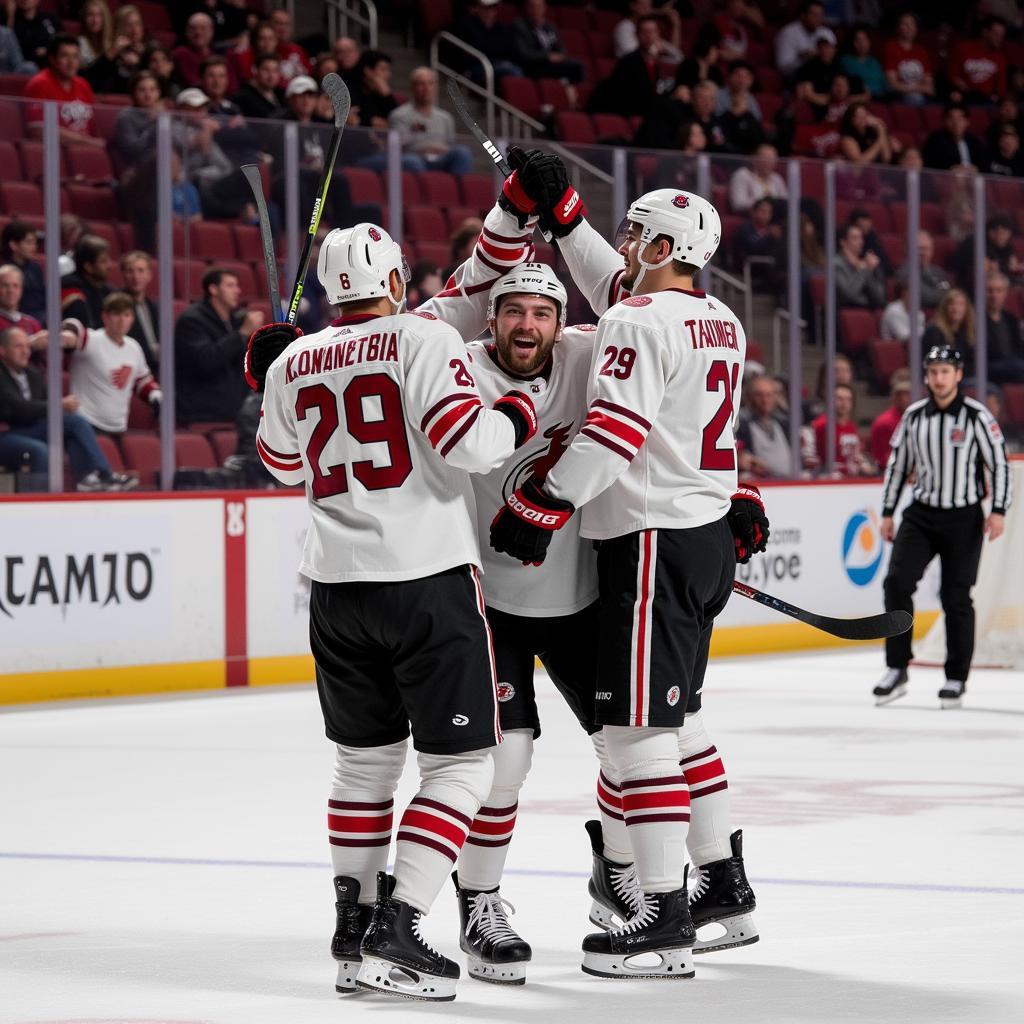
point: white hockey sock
(436, 822)
(702, 766)
(609, 807)
(482, 860)
(655, 802)
(360, 812)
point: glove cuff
(569, 207)
(519, 409)
(748, 492)
(513, 191)
(533, 506)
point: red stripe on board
(617, 427)
(647, 819)
(438, 406)
(449, 419)
(412, 837)
(459, 434)
(610, 445)
(423, 801)
(641, 632)
(358, 805)
(716, 788)
(236, 658)
(383, 841)
(666, 798)
(711, 770)
(349, 823)
(495, 812)
(696, 757)
(493, 828)
(622, 411)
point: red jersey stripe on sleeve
(621, 430)
(450, 419)
(268, 459)
(608, 443)
(459, 434)
(438, 406)
(621, 410)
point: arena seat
(17, 197)
(93, 202)
(425, 222)
(111, 452)
(612, 127)
(575, 126)
(104, 120)
(856, 328)
(522, 93)
(10, 120)
(411, 191)
(885, 357)
(142, 455)
(553, 94)
(439, 188)
(140, 415)
(1013, 404)
(365, 185)
(193, 451)
(213, 240)
(225, 443)
(576, 43)
(455, 215)
(10, 161)
(434, 252)
(89, 163)
(478, 191)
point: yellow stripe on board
(296, 668)
(111, 681)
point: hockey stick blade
(870, 627)
(342, 103)
(459, 102)
(255, 179)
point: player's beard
(527, 358)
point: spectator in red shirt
(198, 46)
(886, 423)
(850, 457)
(261, 40)
(977, 69)
(908, 66)
(294, 59)
(61, 82)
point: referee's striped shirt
(947, 450)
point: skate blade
(663, 963)
(900, 691)
(604, 918)
(497, 974)
(347, 971)
(739, 931)
(379, 975)
(948, 703)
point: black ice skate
(494, 952)
(614, 888)
(891, 686)
(722, 896)
(661, 932)
(951, 694)
(353, 920)
(396, 960)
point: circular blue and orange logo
(862, 547)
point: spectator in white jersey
(109, 367)
(428, 132)
(654, 468)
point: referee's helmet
(944, 353)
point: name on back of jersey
(335, 355)
(712, 334)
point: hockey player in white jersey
(654, 470)
(379, 418)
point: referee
(945, 441)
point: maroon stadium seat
(12, 84)
(425, 222)
(10, 120)
(438, 253)
(553, 94)
(212, 240)
(364, 185)
(225, 443)
(104, 120)
(10, 161)
(140, 415)
(108, 232)
(89, 163)
(439, 188)
(20, 197)
(142, 455)
(575, 126)
(111, 451)
(193, 451)
(411, 191)
(1013, 403)
(455, 215)
(93, 202)
(522, 93)
(856, 328)
(886, 357)
(247, 241)
(478, 191)
(576, 43)
(32, 160)
(611, 126)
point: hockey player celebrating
(654, 467)
(377, 415)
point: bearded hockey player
(379, 419)
(654, 468)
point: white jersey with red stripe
(596, 268)
(657, 449)
(567, 581)
(104, 374)
(381, 419)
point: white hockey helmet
(529, 279)
(356, 263)
(689, 220)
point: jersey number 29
(389, 430)
(711, 456)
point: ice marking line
(319, 865)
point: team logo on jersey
(957, 436)
(995, 432)
(506, 691)
(583, 327)
(637, 300)
(460, 720)
(374, 234)
(681, 202)
(862, 547)
(423, 313)
(538, 463)
(672, 696)
(120, 377)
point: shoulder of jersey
(915, 406)
(578, 337)
(973, 403)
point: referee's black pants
(955, 535)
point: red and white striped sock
(359, 830)
(702, 766)
(430, 836)
(482, 862)
(613, 823)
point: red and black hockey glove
(266, 343)
(524, 527)
(515, 198)
(559, 205)
(748, 522)
(519, 409)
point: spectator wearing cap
(82, 292)
(61, 81)
(886, 422)
(860, 63)
(18, 246)
(1006, 158)
(198, 46)
(479, 27)
(762, 437)
(1005, 341)
(538, 46)
(262, 96)
(953, 145)
(34, 29)
(626, 34)
(301, 96)
(895, 324)
(24, 408)
(137, 273)
(908, 65)
(999, 252)
(109, 366)
(294, 59)
(796, 42)
(761, 179)
(428, 132)
(977, 67)
(12, 60)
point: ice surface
(165, 861)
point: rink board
(137, 594)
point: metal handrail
(340, 12)
(778, 316)
(486, 92)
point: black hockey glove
(519, 409)
(524, 527)
(266, 343)
(514, 197)
(559, 205)
(748, 522)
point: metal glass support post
(794, 271)
(830, 318)
(54, 356)
(703, 189)
(292, 229)
(165, 248)
(620, 200)
(914, 280)
(394, 186)
(980, 312)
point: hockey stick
(455, 94)
(342, 102)
(252, 175)
(870, 627)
